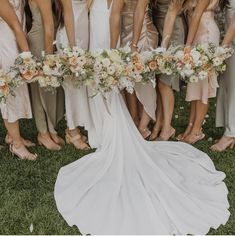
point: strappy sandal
(29, 156)
(76, 141)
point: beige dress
(18, 106)
(48, 107)
(76, 99)
(146, 94)
(159, 9)
(208, 32)
(225, 113)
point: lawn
(26, 188)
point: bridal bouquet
(107, 70)
(25, 69)
(192, 64)
(136, 69)
(79, 64)
(6, 86)
(52, 71)
(219, 56)
(162, 61)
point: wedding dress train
(131, 186)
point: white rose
(106, 62)
(203, 75)
(217, 61)
(111, 70)
(25, 55)
(193, 79)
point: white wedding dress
(131, 186)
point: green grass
(26, 188)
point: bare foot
(145, 132)
(194, 138)
(47, 142)
(76, 141)
(57, 139)
(188, 130)
(26, 142)
(156, 130)
(166, 135)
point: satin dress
(208, 32)
(159, 9)
(129, 186)
(225, 112)
(18, 106)
(76, 99)
(146, 94)
(48, 107)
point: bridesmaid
(226, 97)
(48, 108)
(202, 29)
(73, 26)
(18, 107)
(123, 13)
(167, 84)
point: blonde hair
(89, 3)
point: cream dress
(18, 106)
(76, 99)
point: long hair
(57, 9)
(223, 3)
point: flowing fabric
(131, 186)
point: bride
(131, 186)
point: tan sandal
(26, 142)
(222, 146)
(15, 152)
(76, 141)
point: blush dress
(18, 106)
(208, 32)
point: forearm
(115, 25)
(69, 26)
(21, 41)
(168, 27)
(230, 33)
(138, 24)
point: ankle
(73, 132)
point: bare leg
(191, 121)
(46, 140)
(196, 133)
(168, 101)
(159, 118)
(132, 104)
(143, 125)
